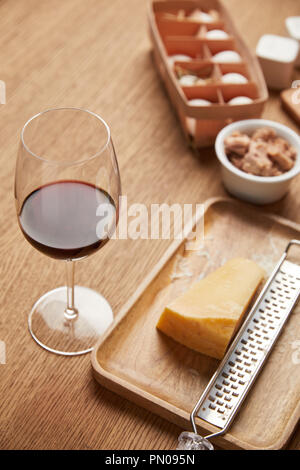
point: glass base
(51, 327)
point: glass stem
(70, 312)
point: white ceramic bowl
(256, 189)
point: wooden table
(96, 54)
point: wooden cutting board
(143, 365)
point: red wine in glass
(67, 190)
(68, 219)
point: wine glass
(67, 188)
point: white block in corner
(277, 56)
(293, 28)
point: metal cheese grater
(226, 391)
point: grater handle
(192, 441)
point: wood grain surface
(96, 54)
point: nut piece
(263, 154)
(264, 133)
(281, 154)
(256, 161)
(237, 143)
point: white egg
(216, 34)
(199, 102)
(235, 78)
(188, 80)
(191, 122)
(240, 100)
(198, 15)
(178, 58)
(227, 57)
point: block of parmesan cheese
(206, 316)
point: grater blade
(246, 356)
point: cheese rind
(206, 316)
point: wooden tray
(170, 36)
(136, 361)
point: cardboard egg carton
(174, 32)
